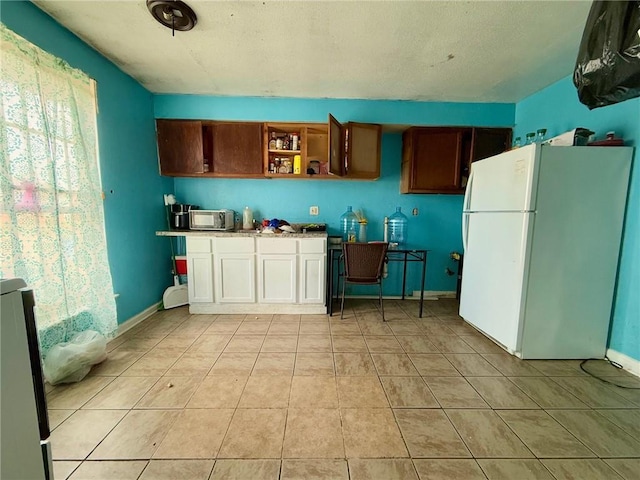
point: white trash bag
(71, 361)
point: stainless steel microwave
(211, 219)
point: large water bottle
(398, 224)
(349, 225)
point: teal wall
(134, 208)
(437, 226)
(557, 108)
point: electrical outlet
(313, 210)
(415, 211)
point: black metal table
(393, 255)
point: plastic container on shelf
(362, 233)
(247, 219)
(398, 225)
(181, 265)
(349, 225)
(530, 138)
(517, 143)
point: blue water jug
(398, 224)
(349, 225)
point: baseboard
(257, 308)
(136, 319)
(434, 294)
(631, 365)
(415, 295)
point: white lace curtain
(51, 213)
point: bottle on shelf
(540, 134)
(294, 141)
(362, 234)
(278, 143)
(398, 225)
(247, 219)
(272, 141)
(349, 225)
(351, 236)
(517, 143)
(286, 143)
(530, 138)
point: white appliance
(541, 230)
(211, 219)
(24, 425)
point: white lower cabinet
(277, 278)
(235, 278)
(199, 270)
(312, 278)
(235, 269)
(239, 274)
(200, 277)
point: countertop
(239, 233)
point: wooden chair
(363, 264)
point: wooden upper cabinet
(236, 149)
(336, 147)
(193, 148)
(432, 160)
(328, 150)
(438, 159)
(487, 142)
(363, 144)
(354, 149)
(180, 148)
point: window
(51, 213)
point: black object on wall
(607, 69)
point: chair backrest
(363, 261)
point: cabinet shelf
(299, 175)
(285, 152)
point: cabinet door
(336, 147)
(180, 147)
(200, 279)
(432, 160)
(363, 150)
(277, 278)
(312, 278)
(488, 142)
(235, 278)
(237, 149)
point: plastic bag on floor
(71, 361)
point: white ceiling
(492, 51)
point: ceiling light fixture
(173, 14)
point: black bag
(608, 64)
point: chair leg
(344, 282)
(337, 289)
(381, 304)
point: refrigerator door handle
(464, 231)
(465, 207)
(467, 192)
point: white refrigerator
(25, 448)
(541, 230)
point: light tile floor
(197, 397)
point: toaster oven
(212, 219)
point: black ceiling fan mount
(173, 14)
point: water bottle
(398, 224)
(349, 225)
(247, 219)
